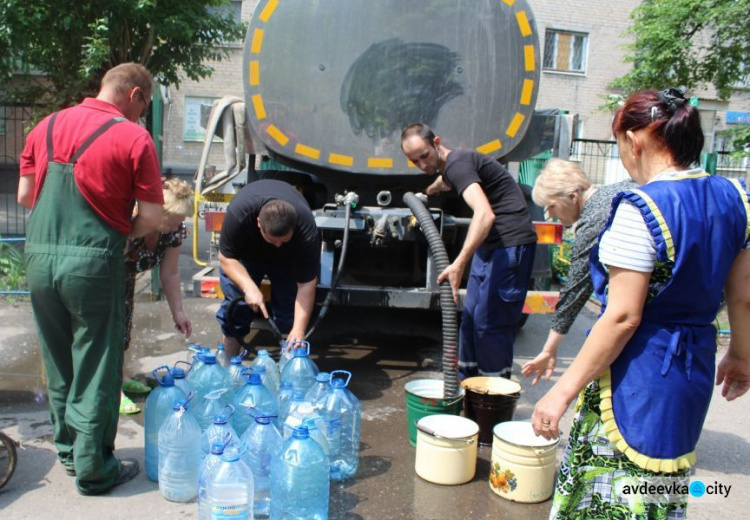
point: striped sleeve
(627, 243)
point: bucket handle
(431, 433)
(544, 451)
(452, 401)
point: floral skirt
(593, 471)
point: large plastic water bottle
(207, 408)
(158, 406)
(301, 412)
(235, 370)
(220, 430)
(286, 391)
(230, 489)
(285, 356)
(260, 443)
(342, 405)
(209, 465)
(211, 376)
(221, 355)
(301, 370)
(261, 371)
(319, 389)
(251, 398)
(272, 370)
(180, 379)
(300, 479)
(179, 461)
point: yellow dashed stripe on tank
(490, 147)
(509, 2)
(254, 73)
(260, 110)
(257, 41)
(278, 135)
(528, 55)
(515, 124)
(341, 160)
(306, 151)
(268, 10)
(523, 23)
(380, 162)
(528, 90)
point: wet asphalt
(383, 349)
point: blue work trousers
(283, 295)
(495, 294)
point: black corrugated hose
(447, 305)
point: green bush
(12, 268)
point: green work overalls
(76, 277)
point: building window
(232, 9)
(565, 51)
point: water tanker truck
(328, 87)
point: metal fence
(13, 123)
(599, 159)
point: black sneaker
(71, 472)
(129, 468)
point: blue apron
(655, 396)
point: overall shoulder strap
(93, 137)
(50, 151)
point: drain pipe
(447, 305)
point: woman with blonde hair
(159, 248)
(567, 194)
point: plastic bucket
(489, 401)
(523, 465)
(446, 449)
(425, 397)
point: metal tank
(330, 84)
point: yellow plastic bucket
(425, 397)
(523, 465)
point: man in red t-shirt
(82, 170)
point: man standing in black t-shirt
(268, 230)
(500, 245)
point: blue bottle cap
(217, 448)
(208, 358)
(301, 432)
(253, 378)
(323, 377)
(300, 352)
(220, 419)
(178, 373)
(180, 404)
(236, 360)
(263, 353)
(338, 383)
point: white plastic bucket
(446, 449)
(523, 465)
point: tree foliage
(697, 43)
(64, 47)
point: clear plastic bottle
(209, 465)
(301, 370)
(272, 370)
(211, 376)
(301, 412)
(230, 489)
(286, 391)
(205, 409)
(196, 358)
(221, 355)
(179, 461)
(158, 407)
(219, 430)
(342, 405)
(300, 479)
(285, 356)
(235, 372)
(180, 379)
(260, 443)
(318, 390)
(250, 398)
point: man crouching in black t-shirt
(500, 245)
(268, 230)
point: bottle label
(235, 512)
